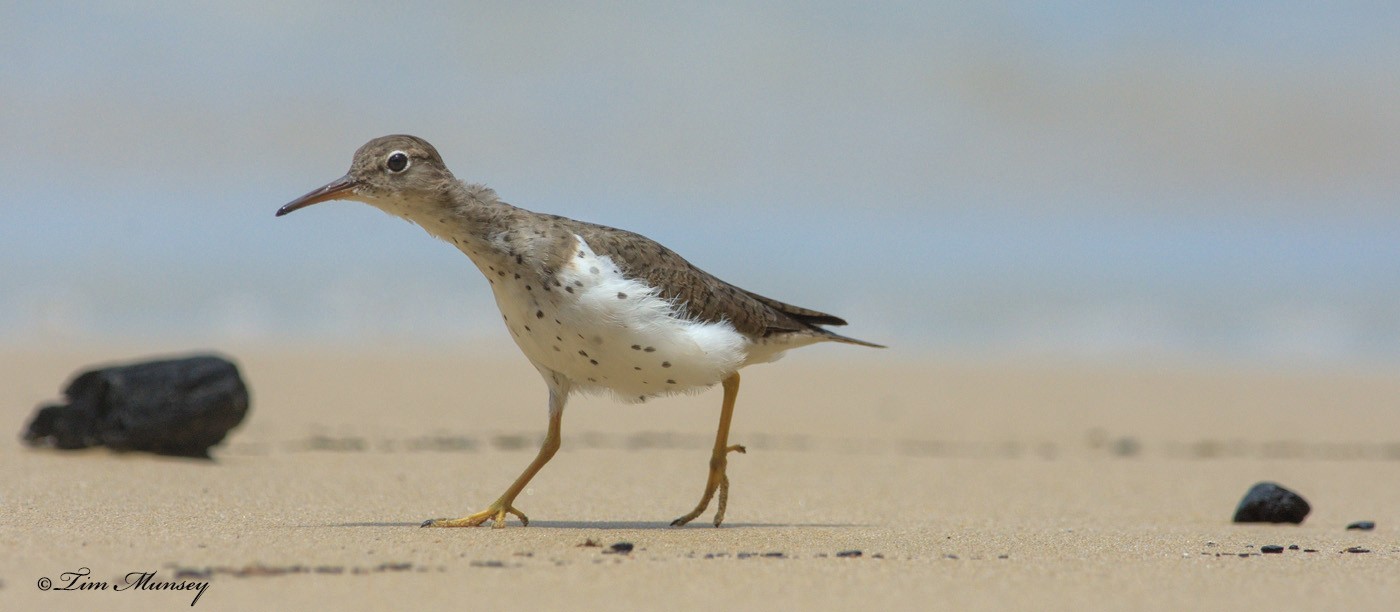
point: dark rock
(1292, 547)
(849, 553)
(620, 548)
(1362, 525)
(1267, 502)
(1271, 549)
(177, 407)
(1357, 549)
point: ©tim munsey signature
(80, 580)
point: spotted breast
(607, 332)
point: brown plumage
(700, 294)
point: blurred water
(926, 283)
(1082, 180)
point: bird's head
(392, 173)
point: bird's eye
(397, 162)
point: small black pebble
(745, 555)
(1357, 549)
(774, 555)
(1271, 548)
(1267, 502)
(849, 553)
(877, 556)
(1003, 556)
(620, 548)
(588, 543)
(1292, 547)
(1244, 555)
(1362, 525)
(1309, 550)
(953, 557)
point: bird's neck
(471, 218)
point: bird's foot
(496, 513)
(717, 481)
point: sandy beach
(962, 485)
(1130, 259)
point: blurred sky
(1085, 179)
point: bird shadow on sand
(610, 525)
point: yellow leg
(498, 509)
(718, 458)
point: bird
(595, 309)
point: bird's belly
(607, 332)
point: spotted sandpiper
(592, 307)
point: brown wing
(705, 297)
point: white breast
(608, 332)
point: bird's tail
(835, 337)
(813, 320)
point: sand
(963, 485)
